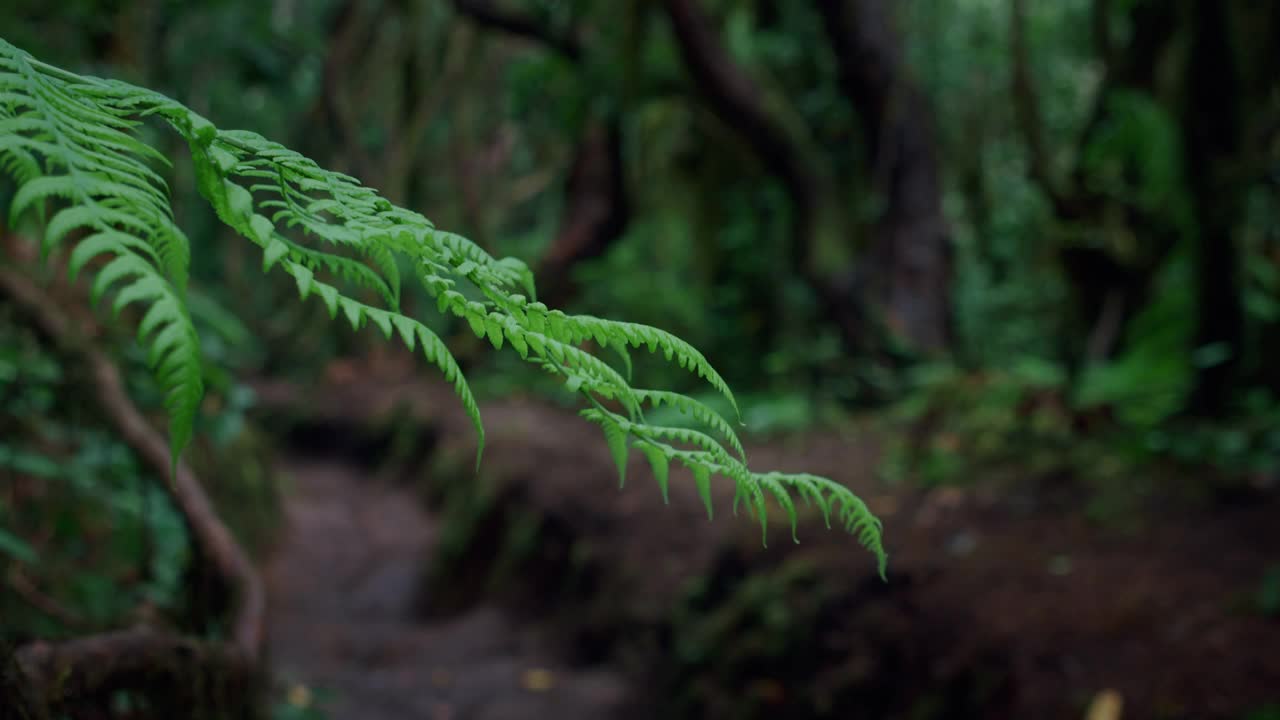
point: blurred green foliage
(1268, 600)
(479, 131)
(715, 235)
(747, 635)
(89, 538)
(89, 535)
(1267, 712)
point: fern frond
(65, 148)
(707, 458)
(71, 144)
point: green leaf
(493, 327)
(616, 436)
(660, 464)
(271, 255)
(702, 480)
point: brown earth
(1000, 603)
(342, 584)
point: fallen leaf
(300, 696)
(1106, 705)
(537, 680)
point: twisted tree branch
(484, 12)
(910, 249)
(94, 664)
(596, 208)
(736, 100)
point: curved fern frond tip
(71, 144)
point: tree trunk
(902, 280)
(908, 262)
(1213, 132)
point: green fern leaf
(702, 480)
(784, 499)
(616, 437)
(696, 410)
(71, 144)
(660, 465)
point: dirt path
(1004, 601)
(342, 584)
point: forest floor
(1001, 601)
(344, 633)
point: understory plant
(82, 171)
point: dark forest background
(1030, 248)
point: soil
(344, 636)
(1002, 602)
